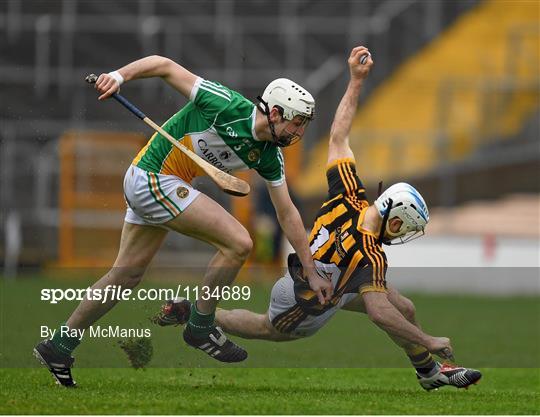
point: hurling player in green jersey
(230, 132)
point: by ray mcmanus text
(96, 331)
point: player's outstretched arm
(151, 66)
(387, 317)
(339, 134)
(293, 228)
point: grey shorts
(282, 300)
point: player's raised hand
(107, 85)
(441, 347)
(322, 287)
(360, 63)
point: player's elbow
(162, 64)
(339, 140)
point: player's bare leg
(138, 246)
(249, 325)
(238, 322)
(206, 220)
(430, 374)
(403, 305)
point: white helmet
(293, 99)
(409, 206)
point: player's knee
(265, 331)
(271, 333)
(240, 246)
(245, 245)
(408, 309)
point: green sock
(200, 324)
(63, 342)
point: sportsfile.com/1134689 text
(116, 292)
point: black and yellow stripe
(420, 358)
(342, 179)
(289, 320)
(344, 243)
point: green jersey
(218, 124)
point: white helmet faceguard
(293, 99)
(409, 206)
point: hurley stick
(227, 182)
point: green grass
(349, 367)
(263, 391)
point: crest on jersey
(182, 192)
(224, 155)
(254, 155)
(340, 238)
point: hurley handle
(92, 78)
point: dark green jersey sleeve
(272, 166)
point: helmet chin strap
(275, 139)
(379, 191)
(266, 111)
(384, 224)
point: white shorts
(155, 198)
(282, 300)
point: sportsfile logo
(110, 292)
(117, 293)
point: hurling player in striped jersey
(346, 244)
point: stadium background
(451, 105)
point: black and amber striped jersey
(350, 256)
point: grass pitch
(349, 367)
(263, 391)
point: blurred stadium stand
(465, 105)
(47, 48)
